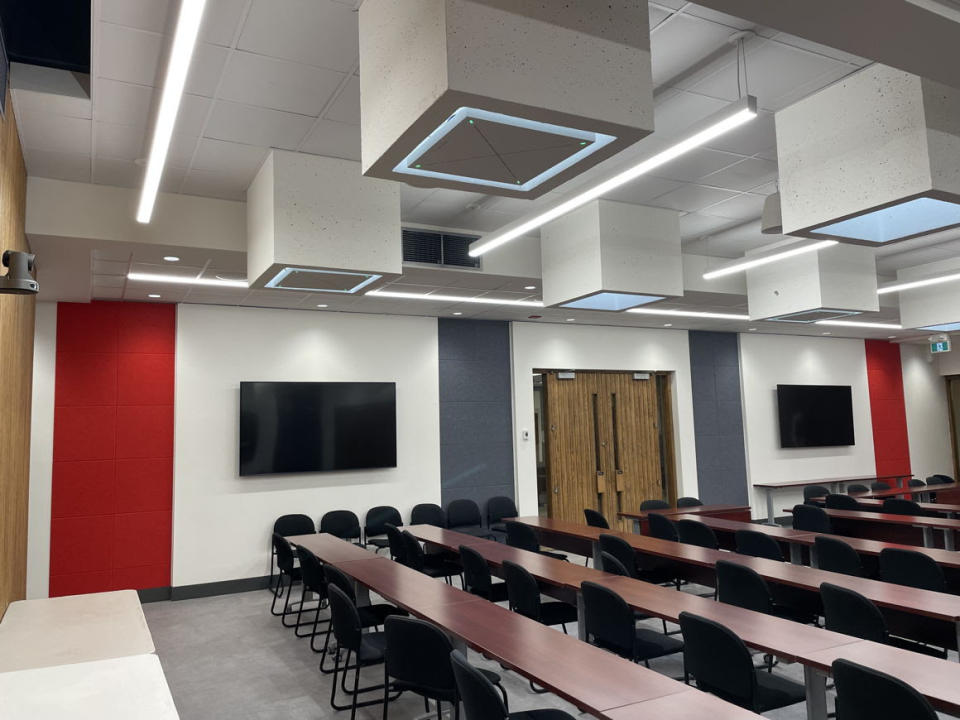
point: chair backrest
(343, 524)
(688, 502)
(621, 550)
(418, 653)
(463, 513)
(916, 482)
(413, 555)
(834, 555)
(812, 491)
(757, 544)
(284, 553)
(811, 519)
(476, 572)
(867, 694)
(719, 660)
(911, 568)
(595, 519)
(427, 514)
(939, 479)
(344, 618)
(480, 698)
(857, 488)
(522, 536)
(610, 564)
(878, 485)
(311, 571)
(662, 527)
(523, 593)
(377, 518)
(339, 579)
(850, 613)
(608, 620)
(901, 506)
(694, 532)
(500, 507)
(288, 525)
(742, 586)
(398, 548)
(842, 502)
(654, 505)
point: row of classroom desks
(790, 641)
(946, 492)
(730, 512)
(594, 680)
(907, 529)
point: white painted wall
(946, 363)
(41, 450)
(552, 346)
(769, 360)
(222, 522)
(928, 414)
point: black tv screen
(815, 415)
(300, 427)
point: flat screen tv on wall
(301, 427)
(815, 415)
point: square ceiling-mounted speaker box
(315, 224)
(872, 159)
(611, 256)
(827, 284)
(505, 97)
(932, 307)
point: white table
(131, 688)
(73, 629)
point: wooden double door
(608, 442)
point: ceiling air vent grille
(438, 248)
(812, 316)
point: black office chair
(464, 516)
(498, 509)
(523, 594)
(694, 532)
(867, 694)
(418, 661)
(366, 648)
(523, 537)
(720, 663)
(375, 526)
(939, 479)
(757, 544)
(396, 543)
(314, 581)
(480, 698)
(595, 519)
(813, 491)
(654, 505)
(428, 514)
(916, 482)
(811, 519)
(476, 576)
(618, 559)
(857, 488)
(744, 587)
(901, 506)
(688, 502)
(343, 524)
(911, 568)
(850, 613)
(288, 526)
(662, 527)
(371, 616)
(286, 568)
(611, 564)
(841, 502)
(834, 555)
(877, 485)
(435, 566)
(610, 623)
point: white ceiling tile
(813, 47)
(55, 133)
(119, 141)
(149, 15)
(346, 108)
(181, 150)
(314, 32)
(691, 198)
(233, 159)
(680, 42)
(695, 164)
(278, 84)
(117, 172)
(102, 292)
(127, 54)
(411, 196)
(757, 136)
(658, 15)
(218, 185)
(257, 126)
(109, 267)
(682, 109)
(642, 190)
(172, 179)
(744, 175)
(333, 139)
(60, 166)
(741, 207)
(122, 103)
(220, 20)
(192, 115)
(795, 94)
(206, 69)
(731, 22)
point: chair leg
(534, 688)
(564, 626)
(356, 685)
(386, 691)
(439, 714)
(277, 593)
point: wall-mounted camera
(18, 280)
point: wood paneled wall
(16, 375)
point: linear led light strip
(184, 40)
(185, 280)
(910, 285)
(689, 313)
(735, 115)
(854, 323)
(452, 298)
(751, 262)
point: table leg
(581, 615)
(928, 537)
(815, 683)
(362, 593)
(949, 541)
(770, 514)
(597, 562)
(637, 526)
(796, 553)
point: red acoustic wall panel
(112, 447)
(885, 379)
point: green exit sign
(939, 347)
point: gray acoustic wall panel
(476, 427)
(718, 417)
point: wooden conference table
(876, 505)
(594, 680)
(907, 529)
(790, 641)
(834, 483)
(946, 491)
(733, 512)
